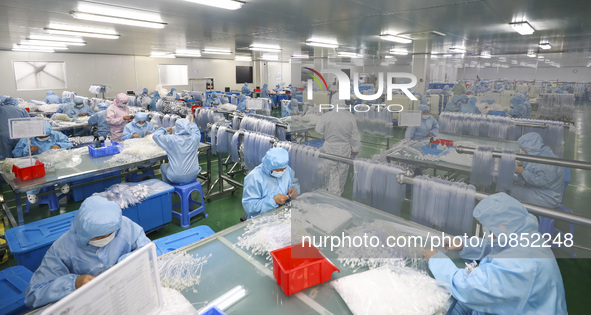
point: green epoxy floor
(225, 211)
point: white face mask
(43, 139)
(141, 125)
(102, 242)
(123, 104)
(277, 174)
(424, 116)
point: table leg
(19, 208)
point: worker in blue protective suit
(470, 107)
(51, 98)
(278, 88)
(40, 144)
(265, 90)
(98, 238)
(8, 110)
(289, 108)
(464, 99)
(558, 91)
(174, 94)
(152, 106)
(144, 99)
(245, 90)
(525, 101)
(99, 119)
(242, 105)
(459, 88)
(429, 126)
(64, 108)
(538, 184)
(269, 185)
(215, 100)
(453, 105)
(520, 279)
(181, 148)
(79, 109)
(446, 90)
(518, 109)
(138, 128)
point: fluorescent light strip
(65, 39)
(545, 46)
(523, 28)
(157, 54)
(302, 56)
(81, 33)
(216, 52)
(223, 4)
(459, 50)
(270, 57)
(243, 58)
(188, 53)
(396, 38)
(349, 54)
(26, 46)
(264, 48)
(398, 51)
(17, 47)
(116, 20)
(322, 44)
(43, 42)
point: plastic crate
(156, 211)
(113, 149)
(13, 283)
(30, 172)
(497, 113)
(83, 192)
(449, 143)
(29, 243)
(432, 151)
(296, 274)
(175, 241)
(316, 143)
(213, 311)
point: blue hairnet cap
(145, 90)
(275, 158)
(78, 100)
(532, 142)
(214, 94)
(139, 116)
(455, 99)
(246, 83)
(50, 93)
(47, 128)
(502, 213)
(265, 85)
(97, 217)
(102, 106)
(11, 101)
(3, 98)
(424, 107)
(473, 100)
(173, 89)
(156, 94)
(182, 126)
(464, 97)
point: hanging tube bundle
(375, 185)
(506, 171)
(483, 167)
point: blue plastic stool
(136, 177)
(52, 200)
(184, 192)
(175, 241)
(13, 282)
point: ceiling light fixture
(458, 50)
(223, 4)
(399, 51)
(523, 28)
(208, 51)
(68, 40)
(270, 57)
(188, 53)
(17, 47)
(321, 44)
(42, 43)
(545, 45)
(62, 29)
(99, 12)
(300, 56)
(159, 54)
(348, 54)
(396, 38)
(267, 48)
(243, 58)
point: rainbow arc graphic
(317, 77)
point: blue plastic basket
(497, 113)
(175, 241)
(13, 283)
(113, 149)
(432, 151)
(213, 311)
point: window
(39, 75)
(173, 74)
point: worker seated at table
(278, 88)
(429, 126)
(518, 109)
(99, 119)
(242, 105)
(9, 109)
(182, 150)
(509, 279)
(138, 128)
(144, 99)
(155, 98)
(40, 144)
(453, 105)
(51, 98)
(174, 94)
(265, 90)
(245, 90)
(79, 110)
(446, 90)
(118, 116)
(213, 100)
(269, 185)
(290, 108)
(64, 108)
(470, 107)
(538, 184)
(98, 238)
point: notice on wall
(26, 127)
(409, 118)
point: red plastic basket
(30, 172)
(449, 143)
(296, 274)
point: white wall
(563, 74)
(121, 73)
(278, 72)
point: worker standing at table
(269, 185)
(98, 238)
(118, 116)
(8, 110)
(245, 90)
(429, 126)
